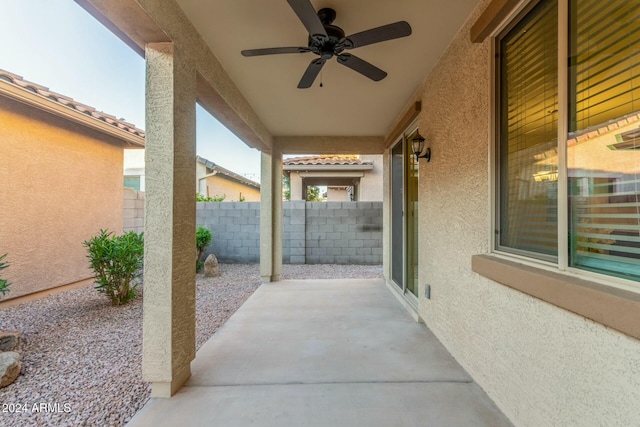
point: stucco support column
(170, 212)
(271, 217)
(295, 186)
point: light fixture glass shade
(417, 143)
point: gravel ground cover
(331, 271)
(82, 357)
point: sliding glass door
(411, 218)
(397, 211)
(404, 217)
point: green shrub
(117, 262)
(215, 198)
(203, 238)
(4, 284)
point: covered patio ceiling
(257, 97)
(348, 104)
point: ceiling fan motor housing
(326, 47)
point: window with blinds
(528, 161)
(603, 148)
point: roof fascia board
(231, 176)
(491, 18)
(207, 163)
(221, 172)
(127, 20)
(403, 121)
(330, 144)
(44, 104)
(217, 170)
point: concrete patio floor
(324, 353)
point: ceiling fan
(327, 40)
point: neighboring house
(134, 169)
(214, 180)
(61, 169)
(347, 177)
(211, 179)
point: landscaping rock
(9, 367)
(9, 340)
(211, 268)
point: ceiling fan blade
(378, 34)
(274, 51)
(308, 16)
(361, 66)
(311, 73)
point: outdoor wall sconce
(417, 144)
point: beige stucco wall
(201, 183)
(295, 186)
(337, 194)
(542, 365)
(218, 185)
(61, 183)
(371, 183)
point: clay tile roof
(601, 129)
(18, 81)
(326, 160)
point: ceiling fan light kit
(327, 40)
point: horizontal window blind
(604, 148)
(605, 51)
(528, 133)
(605, 219)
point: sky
(57, 44)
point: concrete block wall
(314, 232)
(133, 211)
(235, 227)
(294, 237)
(343, 233)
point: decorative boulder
(9, 340)
(9, 367)
(211, 268)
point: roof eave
(327, 167)
(44, 104)
(220, 171)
